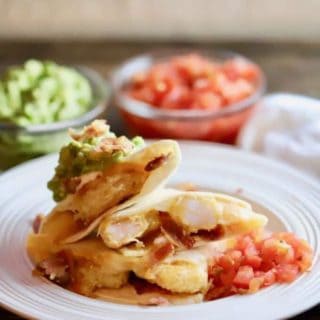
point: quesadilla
(95, 177)
(117, 233)
(184, 217)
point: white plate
(291, 200)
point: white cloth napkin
(286, 127)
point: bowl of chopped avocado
(39, 101)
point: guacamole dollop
(40, 92)
(92, 149)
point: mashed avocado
(38, 93)
(92, 149)
(42, 92)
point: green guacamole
(40, 92)
(87, 153)
(37, 93)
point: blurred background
(199, 21)
(282, 37)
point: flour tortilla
(69, 230)
(234, 215)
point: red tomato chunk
(256, 262)
(194, 82)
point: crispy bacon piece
(114, 144)
(173, 232)
(217, 292)
(125, 198)
(156, 163)
(109, 144)
(213, 234)
(95, 129)
(36, 223)
(149, 237)
(161, 251)
(57, 268)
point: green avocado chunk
(92, 149)
(40, 92)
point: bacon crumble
(95, 129)
(57, 268)
(156, 163)
(114, 144)
(213, 234)
(174, 233)
(162, 249)
(36, 223)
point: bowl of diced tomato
(183, 94)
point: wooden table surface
(289, 67)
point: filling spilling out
(178, 256)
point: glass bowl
(18, 144)
(151, 122)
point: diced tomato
(227, 277)
(255, 284)
(245, 242)
(286, 272)
(237, 90)
(250, 250)
(225, 262)
(215, 292)
(161, 88)
(237, 258)
(278, 251)
(243, 277)
(269, 278)
(201, 84)
(258, 261)
(194, 82)
(240, 68)
(253, 261)
(302, 251)
(230, 260)
(304, 261)
(259, 274)
(144, 94)
(207, 101)
(251, 254)
(214, 272)
(178, 97)
(192, 65)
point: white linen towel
(286, 127)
